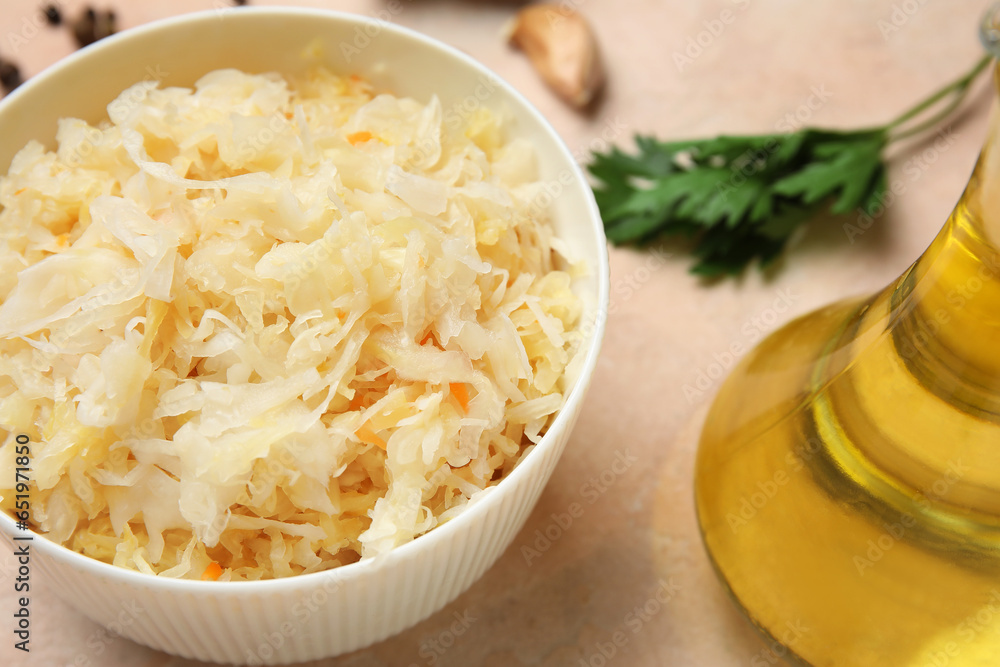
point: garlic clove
(563, 49)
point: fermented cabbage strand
(275, 325)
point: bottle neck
(948, 305)
(921, 396)
(982, 195)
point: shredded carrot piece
(355, 78)
(212, 572)
(20, 191)
(359, 137)
(356, 402)
(461, 394)
(428, 337)
(368, 435)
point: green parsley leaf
(741, 198)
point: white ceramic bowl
(322, 614)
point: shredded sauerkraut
(264, 327)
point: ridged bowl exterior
(324, 614)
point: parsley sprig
(740, 198)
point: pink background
(667, 330)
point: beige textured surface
(667, 329)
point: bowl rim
(481, 503)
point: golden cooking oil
(848, 477)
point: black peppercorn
(52, 14)
(94, 25)
(83, 28)
(10, 76)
